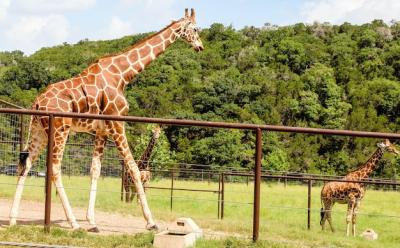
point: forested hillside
(321, 75)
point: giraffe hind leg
(37, 142)
(354, 217)
(22, 174)
(350, 213)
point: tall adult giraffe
(97, 90)
(351, 193)
(144, 167)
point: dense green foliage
(321, 75)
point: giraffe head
(156, 132)
(145, 177)
(388, 146)
(189, 31)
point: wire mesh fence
(203, 193)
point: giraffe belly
(88, 126)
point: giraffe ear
(186, 13)
(192, 16)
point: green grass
(283, 220)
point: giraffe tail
(322, 215)
(322, 212)
(24, 154)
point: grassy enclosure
(283, 220)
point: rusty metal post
(222, 195)
(49, 164)
(285, 180)
(172, 188)
(257, 182)
(219, 195)
(309, 205)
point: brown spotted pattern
(99, 90)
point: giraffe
(97, 90)
(351, 193)
(144, 168)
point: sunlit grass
(283, 220)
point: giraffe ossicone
(98, 90)
(351, 193)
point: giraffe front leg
(95, 170)
(64, 199)
(131, 166)
(60, 138)
(140, 194)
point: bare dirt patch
(32, 213)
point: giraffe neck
(125, 66)
(143, 162)
(365, 170)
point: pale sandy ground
(32, 212)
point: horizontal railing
(180, 122)
(243, 126)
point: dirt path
(32, 212)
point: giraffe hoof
(94, 229)
(153, 227)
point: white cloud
(117, 28)
(3, 8)
(28, 25)
(50, 6)
(29, 31)
(146, 16)
(354, 11)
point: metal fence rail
(256, 128)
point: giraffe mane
(362, 164)
(139, 43)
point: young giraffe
(351, 193)
(143, 164)
(97, 90)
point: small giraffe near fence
(351, 193)
(98, 90)
(144, 167)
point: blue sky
(28, 25)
